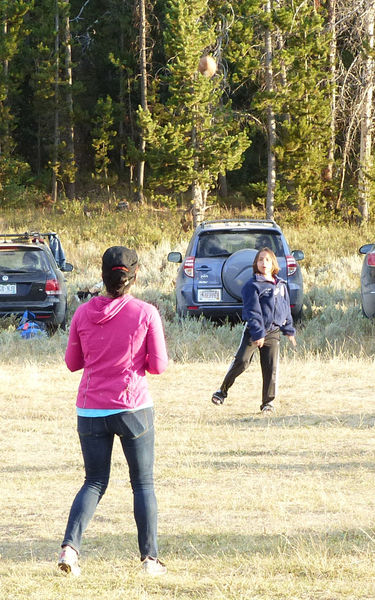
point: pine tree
(46, 129)
(12, 33)
(102, 142)
(193, 136)
(301, 100)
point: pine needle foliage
(300, 99)
(103, 135)
(194, 135)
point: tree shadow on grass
(27, 469)
(351, 421)
(190, 546)
(321, 460)
(289, 467)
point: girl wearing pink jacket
(115, 339)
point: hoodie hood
(102, 309)
(260, 277)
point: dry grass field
(250, 507)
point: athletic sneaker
(267, 409)
(153, 566)
(68, 561)
(218, 397)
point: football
(207, 66)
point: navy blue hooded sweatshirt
(266, 307)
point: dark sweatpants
(269, 361)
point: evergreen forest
(114, 100)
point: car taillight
(52, 287)
(291, 265)
(371, 259)
(189, 266)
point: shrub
(332, 323)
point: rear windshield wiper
(8, 270)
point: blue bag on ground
(29, 328)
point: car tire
(63, 322)
(297, 317)
(237, 270)
(366, 314)
(51, 327)
(180, 312)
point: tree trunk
(199, 203)
(365, 161)
(56, 139)
(222, 185)
(122, 107)
(198, 195)
(143, 69)
(132, 134)
(70, 184)
(4, 142)
(346, 149)
(332, 69)
(271, 124)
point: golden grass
(332, 321)
(249, 507)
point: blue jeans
(96, 434)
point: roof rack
(27, 235)
(37, 236)
(268, 222)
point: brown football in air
(207, 66)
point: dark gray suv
(32, 278)
(218, 263)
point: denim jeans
(269, 362)
(136, 432)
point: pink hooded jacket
(115, 341)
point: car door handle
(203, 268)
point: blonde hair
(275, 264)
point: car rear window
(22, 260)
(224, 243)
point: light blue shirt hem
(102, 412)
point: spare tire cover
(237, 270)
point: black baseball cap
(120, 258)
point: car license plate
(6, 289)
(209, 295)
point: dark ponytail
(117, 283)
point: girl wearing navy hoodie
(266, 311)
(115, 339)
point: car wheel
(367, 313)
(297, 317)
(63, 322)
(52, 327)
(180, 312)
(237, 270)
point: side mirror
(366, 248)
(67, 267)
(175, 257)
(298, 254)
